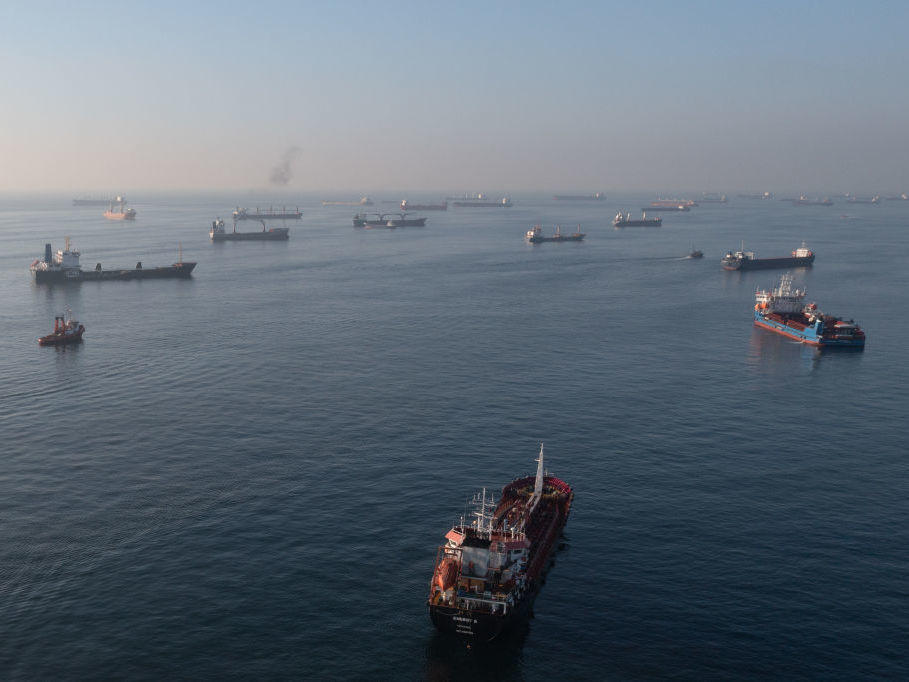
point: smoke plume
(282, 173)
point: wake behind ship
(488, 573)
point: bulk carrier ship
(63, 266)
(488, 573)
(783, 310)
(746, 260)
(625, 220)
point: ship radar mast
(538, 483)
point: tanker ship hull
(276, 234)
(767, 263)
(479, 627)
(805, 333)
(177, 270)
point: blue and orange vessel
(783, 310)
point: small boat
(535, 235)
(66, 330)
(696, 253)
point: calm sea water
(247, 474)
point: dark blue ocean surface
(247, 474)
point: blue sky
(500, 96)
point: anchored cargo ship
(625, 220)
(407, 206)
(712, 198)
(805, 201)
(672, 203)
(217, 233)
(535, 235)
(783, 310)
(402, 220)
(662, 207)
(268, 214)
(66, 330)
(876, 199)
(482, 201)
(746, 260)
(363, 201)
(63, 266)
(488, 572)
(599, 196)
(368, 220)
(117, 211)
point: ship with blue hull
(746, 260)
(783, 310)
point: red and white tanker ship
(488, 572)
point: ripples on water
(248, 473)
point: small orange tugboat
(66, 330)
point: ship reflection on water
(451, 658)
(782, 356)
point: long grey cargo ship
(63, 267)
(746, 260)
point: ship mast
(538, 483)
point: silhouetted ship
(481, 201)
(403, 220)
(757, 195)
(862, 200)
(268, 214)
(536, 236)
(672, 203)
(898, 197)
(599, 196)
(362, 201)
(667, 207)
(407, 206)
(217, 233)
(64, 267)
(488, 573)
(805, 201)
(712, 198)
(625, 220)
(746, 260)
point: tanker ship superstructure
(488, 572)
(783, 310)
